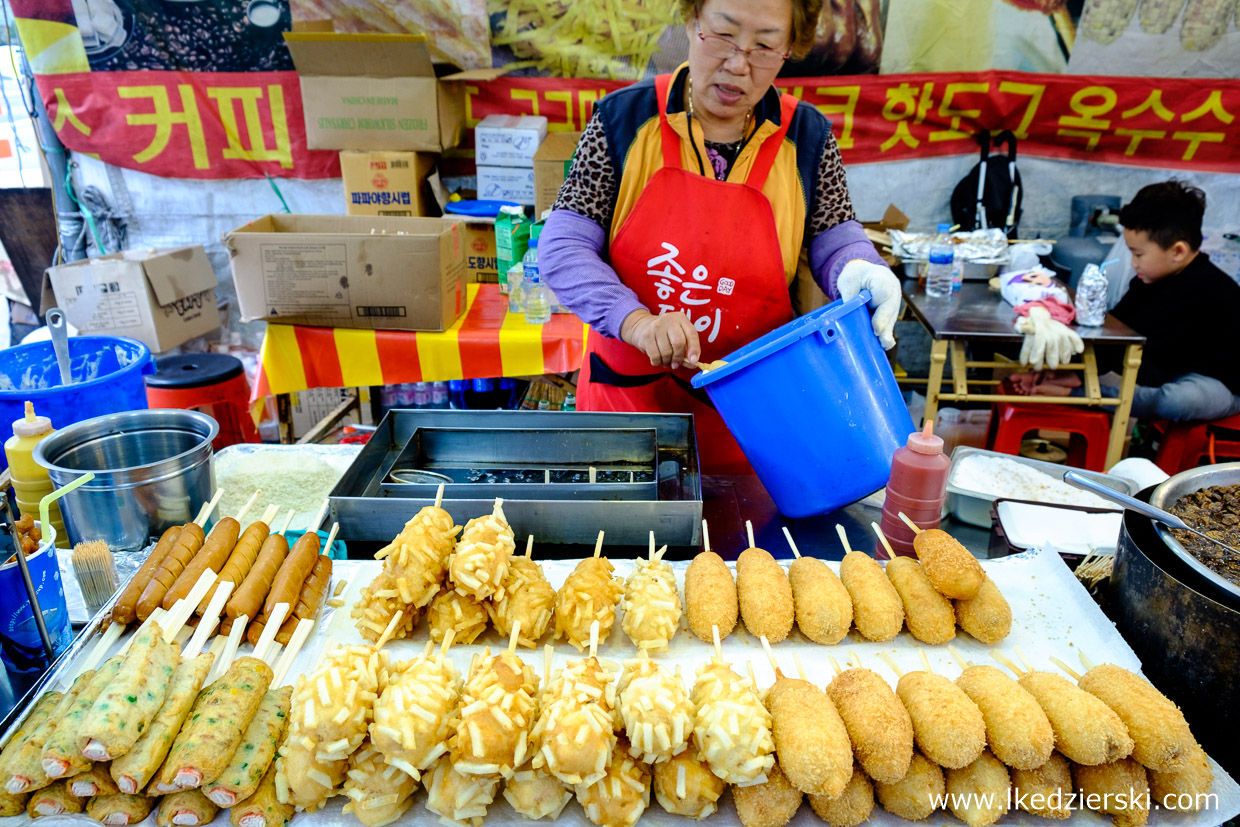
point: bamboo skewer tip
(792, 543)
(886, 658)
(529, 547)
(882, 538)
(245, 509)
(705, 536)
(390, 630)
(908, 522)
(770, 655)
(598, 545)
(749, 532)
(331, 538)
(439, 496)
(318, 518)
(714, 631)
(287, 520)
(1072, 673)
(514, 637)
(796, 661)
(839, 529)
(205, 512)
(594, 638)
(835, 664)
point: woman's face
(727, 88)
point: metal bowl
(152, 471)
(1189, 482)
(417, 476)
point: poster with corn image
(1165, 38)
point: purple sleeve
(833, 248)
(571, 262)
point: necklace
(744, 128)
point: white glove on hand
(884, 288)
(1047, 340)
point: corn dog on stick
(824, 611)
(878, 611)
(619, 798)
(134, 770)
(654, 706)
(456, 798)
(1161, 738)
(378, 793)
(575, 733)
(414, 715)
(1119, 789)
(731, 726)
(710, 593)
(263, 808)
(590, 594)
(536, 793)
(61, 756)
(764, 592)
(479, 563)
(497, 714)
(953, 570)
(527, 599)
(685, 786)
(458, 613)
(651, 602)
(1087, 731)
(23, 771)
(772, 803)
(257, 750)
(851, 807)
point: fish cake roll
(12, 805)
(1119, 789)
(262, 808)
(1161, 739)
(1017, 729)
(61, 755)
(710, 596)
(824, 610)
(928, 614)
(1045, 791)
(53, 800)
(811, 742)
(878, 612)
(94, 781)
(947, 725)
(764, 594)
(914, 796)
(134, 770)
(1087, 731)
(987, 616)
(124, 610)
(128, 704)
(849, 808)
(42, 709)
(189, 808)
(770, 804)
(878, 725)
(215, 726)
(1187, 788)
(23, 771)
(954, 572)
(119, 809)
(978, 794)
(685, 786)
(256, 751)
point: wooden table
(976, 313)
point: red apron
(705, 248)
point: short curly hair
(805, 15)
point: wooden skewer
(548, 650)
(593, 475)
(390, 630)
(796, 661)
(110, 636)
(546, 476)
(705, 536)
(300, 635)
(770, 655)
(446, 645)
(796, 552)
(287, 520)
(209, 620)
(270, 514)
(959, 658)
(925, 661)
(217, 648)
(598, 545)
(513, 637)
(891, 662)
(839, 529)
(749, 532)
(753, 679)
(529, 547)
(714, 631)
(245, 509)
(278, 613)
(318, 518)
(854, 658)
(882, 538)
(835, 664)
(1024, 661)
(1005, 661)
(439, 496)
(183, 608)
(1084, 660)
(1072, 673)
(916, 528)
(204, 513)
(230, 648)
(594, 639)
(331, 538)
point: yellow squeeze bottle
(30, 480)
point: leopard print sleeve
(832, 204)
(590, 186)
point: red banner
(1153, 122)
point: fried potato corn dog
(619, 798)
(913, 796)
(536, 793)
(1087, 731)
(460, 799)
(589, 594)
(849, 808)
(685, 786)
(1017, 730)
(1161, 738)
(378, 794)
(651, 603)
(497, 715)
(528, 599)
(458, 613)
(928, 614)
(987, 616)
(970, 788)
(772, 803)
(1121, 787)
(878, 611)
(654, 707)
(480, 561)
(947, 726)
(377, 603)
(575, 733)
(302, 779)
(878, 725)
(414, 715)
(738, 753)
(1045, 791)
(764, 594)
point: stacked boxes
(505, 146)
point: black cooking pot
(1186, 631)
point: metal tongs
(1143, 508)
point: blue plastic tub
(108, 370)
(815, 407)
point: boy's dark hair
(1168, 211)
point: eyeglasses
(720, 48)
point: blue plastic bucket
(21, 647)
(815, 407)
(108, 370)
(338, 551)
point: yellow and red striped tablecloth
(485, 341)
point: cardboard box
(508, 140)
(377, 91)
(506, 184)
(162, 298)
(551, 163)
(378, 273)
(481, 256)
(307, 408)
(386, 182)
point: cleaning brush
(95, 572)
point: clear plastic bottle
(439, 395)
(421, 394)
(515, 278)
(1091, 297)
(570, 402)
(939, 275)
(917, 487)
(535, 298)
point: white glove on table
(1046, 340)
(884, 288)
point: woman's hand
(669, 340)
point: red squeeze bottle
(918, 487)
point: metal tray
(1188, 482)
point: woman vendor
(680, 225)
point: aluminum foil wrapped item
(978, 246)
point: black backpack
(996, 203)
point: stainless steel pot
(1188, 482)
(152, 471)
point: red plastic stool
(213, 383)
(1185, 443)
(1012, 421)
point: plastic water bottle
(421, 395)
(1091, 297)
(515, 278)
(439, 395)
(535, 298)
(939, 276)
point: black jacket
(1189, 324)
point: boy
(1184, 306)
